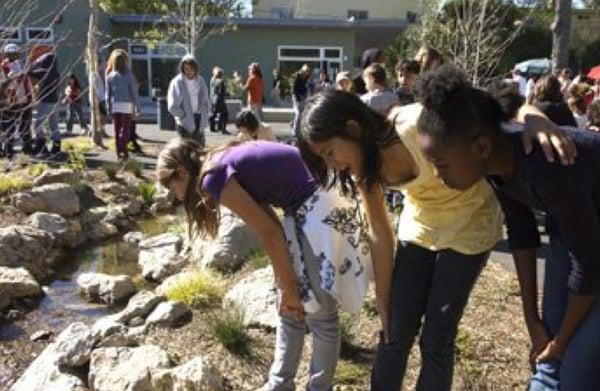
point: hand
(291, 305)
(552, 351)
(551, 137)
(539, 339)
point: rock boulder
(59, 198)
(106, 289)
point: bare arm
(381, 240)
(271, 236)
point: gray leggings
(324, 327)
(430, 288)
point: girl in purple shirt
(320, 254)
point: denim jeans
(430, 288)
(49, 112)
(325, 329)
(580, 365)
(75, 110)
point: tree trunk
(193, 31)
(561, 34)
(92, 59)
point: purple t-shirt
(273, 174)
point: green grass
(76, 161)
(11, 183)
(370, 308)
(199, 290)
(346, 323)
(110, 169)
(77, 144)
(38, 169)
(147, 191)
(350, 373)
(259, 259)
(135, 167)
(228, 328)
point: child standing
(122, 98)
(320, 254)
(73, 100)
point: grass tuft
(199, 290)
(350, 373)
(35, 170)
(259, 259)
(77, 144)
(346, 326)
(229, 329)
(111, 170)
(11, 183)
(147, 191)
(76, 161)
(135, 167)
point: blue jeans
(75, 110)
(49, 112)
(429, 288)
(579, 369)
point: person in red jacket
(73, 100)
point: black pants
(15, 122)
(219, 117)
(429, 289)
(197, 134)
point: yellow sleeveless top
(437, 217)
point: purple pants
(122, 124)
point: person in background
(577, 106)
(407, 72)
(188, 100)
(368, 57)
(218, 92)
(379, 97)
(237, 78)
(529, 90)
(548, 98)
(72, 99)
(299, 95)
(250, 128)
(16, 99)
(428, 58)
(276, 90)
(44, 70)
(255, 88)
(324, 83)
(593, 114)
(122, 98)
(343, 82)
(463, 133)
(565, 78)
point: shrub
(350, 373)
(111, 169)
(147, 190)
(228, 328)
(199, 290)
(259, 259)
(11, 183)
(38, 169)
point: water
(62, 303)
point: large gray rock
(160, 256)
(128, 203)
(105, 288)
(57, 198)
(140, 305)
(18, 282)
(107, 326)
(60, 175)
(163, 202)
(198, 374)
(126, 369)
(256, 297)
(169, 314)
(234, 243)
(51, 370)
(67, 233)
(29, 247)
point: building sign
(138, 49)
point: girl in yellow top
(444, 238)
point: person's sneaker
(137, 148)
(42, 154)
(55, 148)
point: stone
(133, 238)
(67, 233)
(28, 247)
(136, 322)
(51, 370)
(18, 282)
(256, 297)
(160, 256)
(113, 188)
(102, 231)
(107, 326)
(130, 204)
(198, 374)
(126, 369)
(105, 288)
(169, 314)
(41, 335)
(58, 198)
(119, 339)
(163, 203)
(60, 175)
(140, 305)
(93, 216)
(233, 245)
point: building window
(10, 34)
(358, 14)
(39, 34)
(328, 59)
(282, 13)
